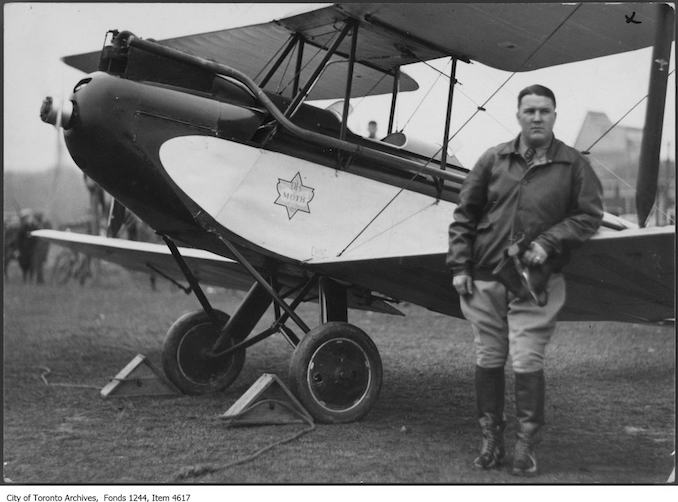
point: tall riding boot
(490, 402)
(530, 390)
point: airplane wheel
(336, 372)
(186, 360)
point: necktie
(529, 156)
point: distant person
(137, 230)
(26, 244)
(372, 129)
(11, 229)
(541, 196)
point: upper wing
(513, 37)
(249, 49)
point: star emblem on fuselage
(294, 195)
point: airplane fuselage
(169, 155)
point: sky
(37, 35)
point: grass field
(610, 400)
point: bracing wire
(383, 76)
(605, 133)
(479, 109)
(389, 228)
(272, 58)
(599, 163)
(401, 190)
(458, 89)
(304, 66)
(503, 126)
(282, 76)
(537, 49)
(421, 101)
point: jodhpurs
(503, 324)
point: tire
(185, 359)
(336, 373)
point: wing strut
(297, 68)
(192, 281)
(257, 276)
(349, 81)
(290, 44)
(448, 115)
(394, 97)
(648, 168)
(301, 95)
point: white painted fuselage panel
(303, 210)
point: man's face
(536, 116)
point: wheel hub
(339, 374)
(195, 355)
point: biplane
(252, 187)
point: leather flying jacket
(556, 204)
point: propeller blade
(51, 113)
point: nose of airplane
(59, 115)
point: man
(540, 193)
(26, 244)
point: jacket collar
(555, 153)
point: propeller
(59, 115)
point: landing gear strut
(335, 370)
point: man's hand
(463, 283)
(535, 255)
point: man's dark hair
(538, 90)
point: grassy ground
(610, 400)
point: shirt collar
(554, 153)
(540, 152)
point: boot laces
(524, 453)
(491, 437)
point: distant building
(615, 159)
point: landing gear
(187, 358)
(335, 370)
(336, 373)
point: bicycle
(71, 265)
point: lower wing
(626, 276)
(208, 268)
